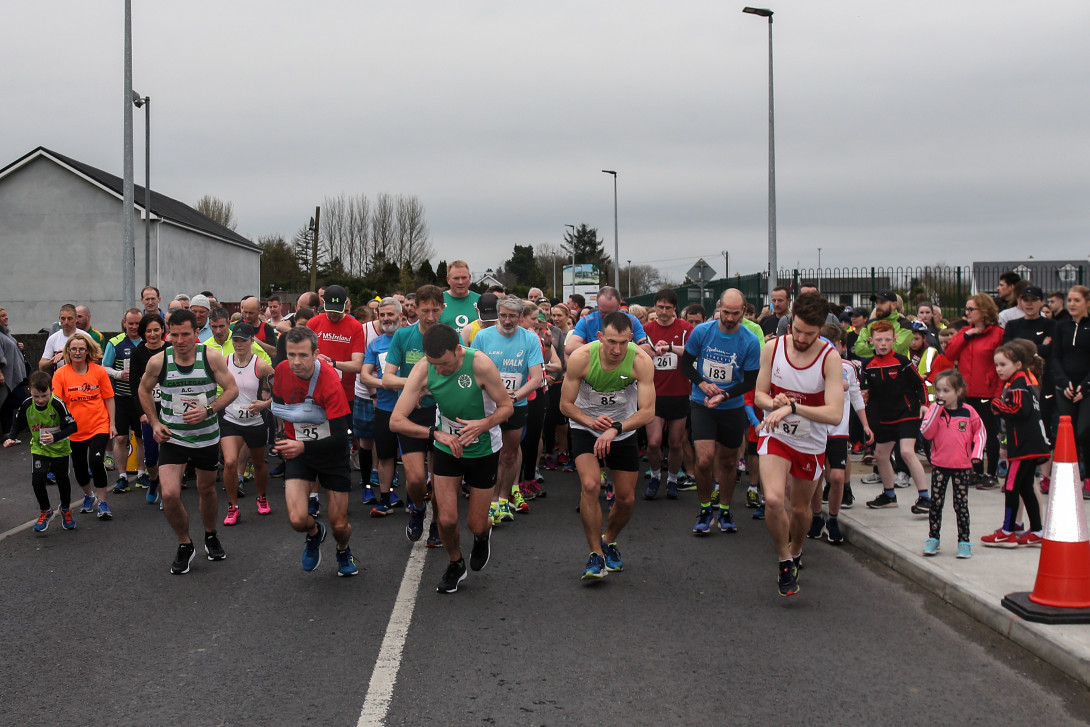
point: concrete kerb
(1045, 642)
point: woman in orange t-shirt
(85, 388)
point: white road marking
(381, 689)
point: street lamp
(145, 102)
(572, 257)
(772, 282)
(629, 278)
(616, 244)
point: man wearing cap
(885, 309)
(487, 315)
(264, 334)
(341, 339)
(201, 307)
(458, 301)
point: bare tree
(359, 237)
(217, 210)
(413, 244)
(383, 230)
(334, 242)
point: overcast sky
(906, 133)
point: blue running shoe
(67, 521)
(44, 519)
(613, 557)
(671, 490)
(278, 470)
(759, 513)
(369, 496)
(152, 495)
(434, 541)
(312, 551)
(596, 568)
(143, 482)
(396, 501)
(346, 564)
(380, 510)
(415, 529)
(726, 522)
(652, 490)
(122, 486)
(704, 521)
(104, 512)
(314, 506)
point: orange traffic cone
(1062, 591)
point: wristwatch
(431, 432)
(618, 426)
(793, 410)
(209, 412)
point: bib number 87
(789, 428)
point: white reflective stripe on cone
(1066, 520)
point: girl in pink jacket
(957, 443)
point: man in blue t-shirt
(374, 364)
(517, 354)
(722, 359)
(609, 300)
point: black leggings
(535, 419)
(940, 478)
(40, 476)
(983, 407)
(553, 417)
(87, 459)
(1020, 485)
(1080, 422)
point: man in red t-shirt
(666, 337)
(341, 339)
(315, 447)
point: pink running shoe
(232, 515)
(263, 506)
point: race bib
(241, 411)
(157, 394)
(189, 402)
(52, 431)
(450, 426)
(511, 382)
(795, 426)
(665, 361)
(382, 363)
(718, 373)
(311, 432)
(611, 398)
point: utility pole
(128, 215)
(315, 223)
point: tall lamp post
(772, 282)
(572, 257)
(629, 278)
(145, 102)
(616, 243)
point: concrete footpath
(977, 585)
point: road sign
(701, 272)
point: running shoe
(612, 557)
(671, 490)
(396, 501)
(797, 560)
(108, 463)
(143, 482)
(726, 522)
(817, 526)
(504, 511)
(263, 506)
(482, 551)
(152, 495)
(788, 578)
(759, 513)
(314, 506)
(121, 487)
(233, 514)
(931, 546)
(104, 512)
(1001, 469)
(44, 519)
(381, 510)
(1000, 539)
(685, 483)
(531, 490)
(369, 495)
(346, 564)
(652, 490)
(832, 531)
(415, 528)
(1046, 483)
(596, 568)
(965, 549)
(986, 482)
(568, 466)
(180, 566)
(455, 574)
(563, 459)
(248, 473)
(494, 513)
(704, 521)
(434, 541)
(1086, 489)
(1031, 539)
(549, 463)
(241, 490)
(538, 477)
(67, 521)
(278, 470)
(872, 479)
(882, 501)
(715, 492)
(520, 502)
(922, 506)
(753, 498)
(212, 546)
(902, 480)
(848, 499)
(857, 448)
(312, 549)
(868, 457)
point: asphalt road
(97, 631)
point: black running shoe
(817, 525)
(212, 546)
(922, 506)
(456, 573)
(832, 531)
(482, 550)
(788, 580)
(181, 562)
(849, 498)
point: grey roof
(161, 205)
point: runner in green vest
(471, 402)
